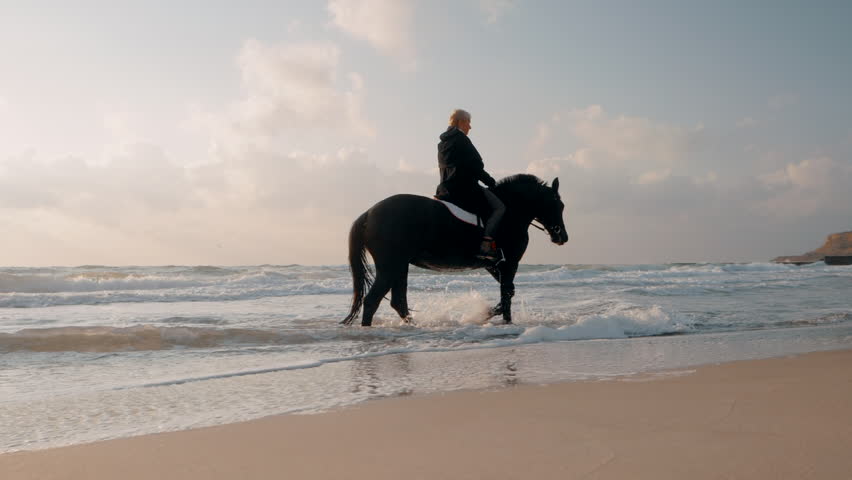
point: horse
(405, 229)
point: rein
(538, 227)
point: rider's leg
(486, 250)
(497, 211)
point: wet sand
(778, 418)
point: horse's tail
(362, 276)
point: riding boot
(488, 250)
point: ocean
(93, 352)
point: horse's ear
(555, 184)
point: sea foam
(634, 323)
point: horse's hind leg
(399, 296)
(374, 297)
(497, 309)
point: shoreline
(783, 417)
(40, 423)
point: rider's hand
(489, 181)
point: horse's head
(531, 195)
(550, 213)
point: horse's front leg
(507, 291)
(496, 309)
(506, 277)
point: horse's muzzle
(559, 237)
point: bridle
(556, 228)
(550, 230)
(553, 231)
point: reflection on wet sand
(371, 375)
(510, 375)
(401, 374)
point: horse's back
(404, 200)
(400, 213)
(408, 210)
(404, 228)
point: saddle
(470, 219)
(462, 214)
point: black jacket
(461, 168)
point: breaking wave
(93, 285)
(449, 327)
(625, 324)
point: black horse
(410, 229)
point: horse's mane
(522, 179)
(521, 184)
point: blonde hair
(457, 116)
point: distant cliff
(835, 244)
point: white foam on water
(34, 288)
(437, 311)
(632, 323)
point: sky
(238, 133)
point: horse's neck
(519, 207)
(517, 221)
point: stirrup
(492, 254)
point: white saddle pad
(461, 214)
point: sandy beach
(776, 418)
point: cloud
(814, 185)
(295, 141)
(287, 170)
(543, 133)
(636, 189)
(494, 9)
(652, 177)
(545, 167)
(139, 179)
(621, 165)
(631, 145)
(293, 97)
(296, 86)
(295, 207)
(630, 139)
(260, 205)
(812, 173)
(387, 25)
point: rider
(461, 168)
